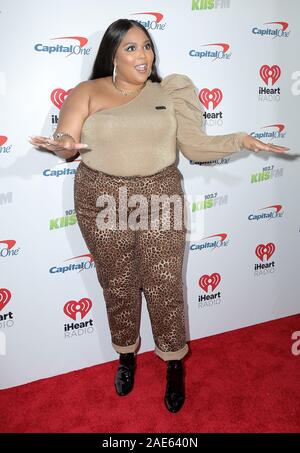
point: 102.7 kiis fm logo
(208, 201)
(67, 220)
(268, 173)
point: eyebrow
(131, 42)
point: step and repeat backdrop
(241, 264)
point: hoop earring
(114, 74)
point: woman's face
(134, 57)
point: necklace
(128, 92)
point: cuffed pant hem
(175, 355)
(127, 349)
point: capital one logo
(73, 307)
(158, 16)
(3, 139)
(9, 243)
(265, 250)
(70, 49)
(207, 96)
(58, 96)
(270, 73)
(81, 42)
(209, 280)
(7, 248)
(5, 296)
(279, 128)
(224, 46)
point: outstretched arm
(73, 113)
(253, 144)
(192, 141)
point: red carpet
(246, 380)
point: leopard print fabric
(133, 259)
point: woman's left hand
(253, 144)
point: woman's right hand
(65, 147)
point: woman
(130, 121)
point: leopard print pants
(138, 257)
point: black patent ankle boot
(124, 378)
(175, 395)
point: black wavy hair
(103, 65)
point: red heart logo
(5, 296)
(206, 96)
(73, 307)
(272, 72)
(58, 96)
(2, 139)
(265, 249)
(209, 280)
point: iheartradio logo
(58, 96)
(209, 280)
(207, 96)
(270, 73)
(73, 307)
(5, 296)
(265, 250)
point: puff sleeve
(191, 140)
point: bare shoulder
(85, 92)
(101, 94)
(79, 94)
(90, 86)
(82, 88)
(98, 86)
(78, 99)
